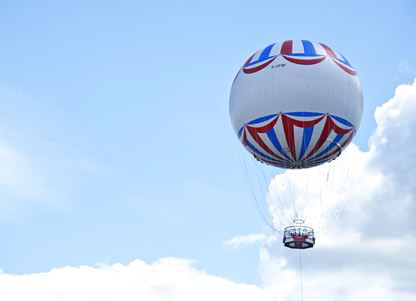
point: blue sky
(115, 135)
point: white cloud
(238, 241)
(21, 184)
(369, 255)
(167, 279)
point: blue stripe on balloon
(304, 114)
(262, 119)
(333, 143)
(255, 150)
(345, 61)
(265, 55)
(273, 138)
(309, 50)
(240, 132)
(341, 120)
(304, 55)
(306, 139)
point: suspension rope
(300, 269)
(255, 186)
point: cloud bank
(166, 279)
(369, 255)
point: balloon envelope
(296, 104)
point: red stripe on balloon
(254, 132)
(335, 151)
(348, 70)
(328, 50)
(329, 124)
(258, 68)
(286, 47)
(305, 124)
(288, 124)
(249, 60)
(304, 62)
(328, 127)
(289, 133)
(348, 140)
(265, 128)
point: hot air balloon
(296, 104)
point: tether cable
(300, 269)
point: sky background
(119, 167)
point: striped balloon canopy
(296, 104)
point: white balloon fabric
(296, 104)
